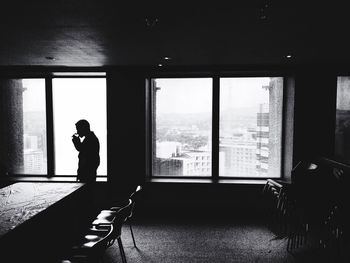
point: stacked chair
(318, 211)
(90, 247)
(106, 217)
(278, 206)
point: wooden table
(36, 217)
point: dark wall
(208, 198)
(314, 119)
(11, 126)
(126, 130)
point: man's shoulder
(92, 136)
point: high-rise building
(237, 155)
(33, 161)
(269, 131)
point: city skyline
(247, 148)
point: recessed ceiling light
(160, 65)
(151, 21)
(166, 58)
(289, 56)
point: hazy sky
(195, 95)
(34, 95)
(243, 92)
(184, 95)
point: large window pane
(182, 122)
(34, 126)
(342, 127)
(23, 126)
(75, 99)
(250, 127)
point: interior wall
(314, 119)
(126, 130)
(11, 127)
(288, 128)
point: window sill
(46, 179)
(208, 181)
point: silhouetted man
(89, 148)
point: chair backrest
(134, 197)
(102, 244)
(95, 252)
(120, 217)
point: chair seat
(106, 214)
(78, 259)
(103, 221)
(90, 246)
(90, 239)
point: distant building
(34, 161)
(269, 123)
(168, 149)
(171, 161)
(237, 156)
(30, 142)
(262, 140)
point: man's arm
(77, 143)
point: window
(250, 126)
(37, 120)
(248, 131)
(342, 126)
(182, 126)
(34, 126)
(75, 99)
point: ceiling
(122, 33)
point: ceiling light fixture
(166, 58)
(151, 21)
(289, 56)
(160, 65)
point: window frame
(216, 75)
(48, 77)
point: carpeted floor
(167, 240)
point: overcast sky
(195, 95)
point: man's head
(83, 127)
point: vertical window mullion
(49, 129)
(149, 130)
(215, 127)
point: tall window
(34, 126)
(249, 128)
(26, 104)
(342, 126)
(182, 127)
(75, 99)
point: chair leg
(132, 234)
(121, 248)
